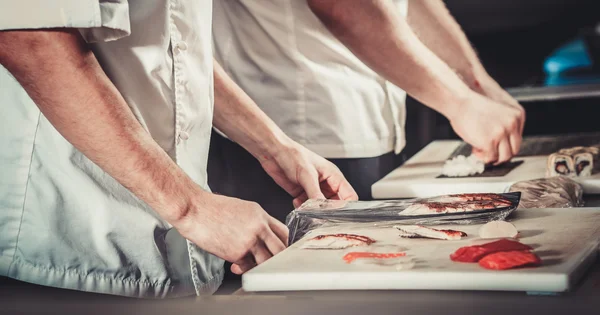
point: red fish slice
(350, 257)
(474, 253)
(509, 260)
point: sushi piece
(352, 256)
(472, 254)
(574, 162)
(337, 241)
(498, 229)
(560, 164)
(584, 163)
(418, 231)
(584, 159)
(510, 260)
(461, 166)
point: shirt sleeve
(97, 20)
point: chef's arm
(300, 172)
(238, 117)
(382, 39)
(375, 32)
(437, 29)
(61, 74)
(63, 77)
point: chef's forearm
(63, 77)
(382, 39)
(237, 116)
(437, 29)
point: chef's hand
(306, 175)
(493, 129)
(235, 230)
(487, 86)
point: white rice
(463, 166)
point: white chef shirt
(64, 221)
(306, 80)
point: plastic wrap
(551, 192)
(319, 213)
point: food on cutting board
(474, 253)
(509, 260)
(352, 256)
(498, 229)
(551, 192)
(337, 241)
(457, 203)
(418, 231)
(461, 166)
(499, 255)
(573, 162)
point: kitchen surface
(404, 251)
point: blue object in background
(571, 63)
(570, 56)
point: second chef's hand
(301, 172)
(304, 174)
(492, 128)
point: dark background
(512, 39)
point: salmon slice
(472, 254)
(510, 260)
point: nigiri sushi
(337, 241)
(417, 231)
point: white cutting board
(566, 239)
(417, 177)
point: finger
(523, 119)
(281, 233)
(298, 201)
(243, 265)
(337, 187)
(346, 192)
(310, 182)
(504, 152)
(487, 156)
(515, 143)
(260, 253)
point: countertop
(20, 298)
(17, 299)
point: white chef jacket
(66, 223)
(306, 80)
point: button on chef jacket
(307, 81)
(66, 223)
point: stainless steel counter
(552, 93)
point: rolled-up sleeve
(97, 20)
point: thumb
(478, 153)
(486, 156)
(310, 183)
